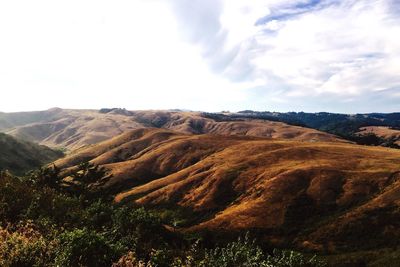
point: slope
(388, 134)
(74, 129)
(20, 156)
(315, 195)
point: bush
(15, 198)
(240, 253)
(81, 247)
(24, 246)
(98, 215)
(245, 252)
(288, 258)
(137, 229)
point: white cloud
(200, 54)
(311, 48)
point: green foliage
(84, 180)
(137, 229)
(15, 198)
(49, 177)
(82, 247)
(69, 224)
(292, 259)
(19, 156)
(98, 215)
(243, 252)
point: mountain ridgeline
(73, 129)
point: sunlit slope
(71, 129)
(74, 129)
(310, 193)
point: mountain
(74, 129)
(19, 156)
(324, 196)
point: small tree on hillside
(49, 176)
(87, 180)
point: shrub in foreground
(82, 247)
(24, 246)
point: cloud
(97, 53)
(334, 55)
(303, 51)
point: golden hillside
(318, 195)
(383, 132)
(74, 129)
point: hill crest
(73, 129)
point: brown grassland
(323, 196)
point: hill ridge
(73, 129)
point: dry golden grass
(381, 131)
(251, 182)
(73, 129)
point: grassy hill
(150, 193)
(20, 156)
(390, 135)
(347, 126)
(319, 196)
(73, 129)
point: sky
(210, 55)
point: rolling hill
(19, 156)
(347, 126)
(386, 133)
(74, 129)
(324, 196)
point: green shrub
(98, 215)
(81, 247)
(288, 258)
(15, 198)
(243, 252)
(137, 229)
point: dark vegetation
(343, 125)
(19, 156)
(46, 220)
